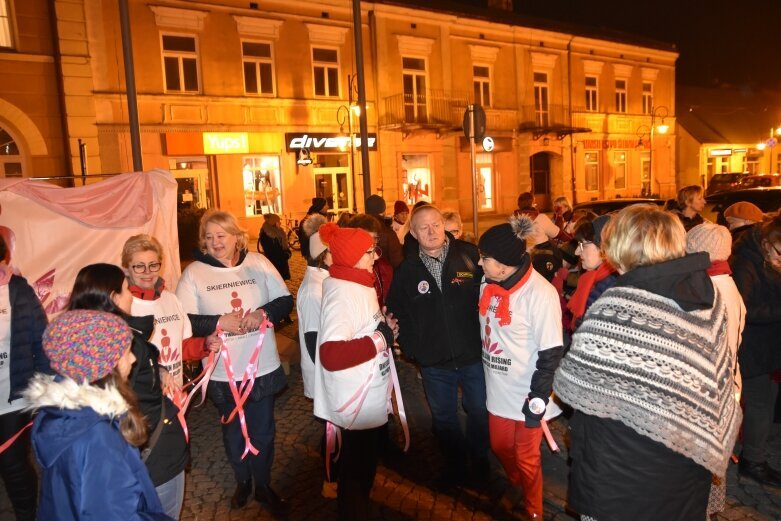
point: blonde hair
(563, 202)
(686, 195)
(227, 222)
(641, 235)
(138, 243)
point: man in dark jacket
(388, 240)
(434, 296)
(756, 268)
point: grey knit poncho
(639, 359)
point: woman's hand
(392, 322)
(213, 343)
(231, 322)
(168, 382)
(252, 321)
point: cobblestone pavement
(405, 485)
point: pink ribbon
(333, 436)
(399, 402)
(11, 440)
(549, 436)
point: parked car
(766, 199)
(611, 205)
(760, 181)
(722, 182)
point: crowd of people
(652, 330)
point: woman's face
(366, 262)
(126, 363)
(453, 228)
(123, 300)
(773, 254)
(220, 244)
(698, 202)
(144, 269)
(590, 257)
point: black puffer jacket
(438, 328)
(28, 320)
(760, 286)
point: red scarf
(362, 277)
(719, 268)
(579, 299)
(148, 294)
(493, 289)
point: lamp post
(658, 112)
(344, 114)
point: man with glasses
(434, 296)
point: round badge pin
(423, 286)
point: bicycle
(291, 230)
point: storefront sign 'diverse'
(326, 142)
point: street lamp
(660, 112)
(344, 114)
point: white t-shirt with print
(171, 327)
(510, 352)
(350, 311)
(209, 290)
(308, 303)
(5, 355)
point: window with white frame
(591, 159)
(6, 39)
(414, 83)
(648, 97)
(592, 94)
(619, 169)
(258, 61)
(482, 84)
(621, 96)
(180, 63)
(541, 106)
(262, 185)
(10, 157)
(325, 70)
(750, 165)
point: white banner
(57, 231)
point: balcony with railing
(434, 109)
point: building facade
(232, 94)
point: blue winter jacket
(89, 471)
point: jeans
(171, 494)
(261, 429)
(441, 387)
(21, 481)
(759, 396)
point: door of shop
(333, 185)
(539, 166)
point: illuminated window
(482, 84)
(5, 25)
(258, 63)
(619, 170)
(621, 96)
(592, 98)
(592, 171)
(541, 107)
(10, 157)
(325, 70)
(262, 185)
(416, 178)
(180, 62)
(485, 181)
(413, 75)
(648, 97)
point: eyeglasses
(374, 251)
(774, 248)
(582, 244)
(152, 267)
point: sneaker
(760, 472)
(329, 490)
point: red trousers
(518, 450)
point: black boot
(760, 472)
(271, 501)
(241, 495)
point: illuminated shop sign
(715, 152)
(326, 142)
(225, 143)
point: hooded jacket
(28, 320)
(89, 471)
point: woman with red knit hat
(352, 364)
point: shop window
(10, 158)
(262, 185)
(482, 84)
(750, 165)
(541, 108)
(648, 97)
(592, 171)
(325, 70)
(621, 96)
(645, 173)
(485, 181)
(6, 40)
(258, 63)
(414, 80)
(619, 170)
(180, 63)
(592, 93)
(416, 178)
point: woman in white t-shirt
(352, 360)
(226, 278)
(520, 325)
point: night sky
(721, 42)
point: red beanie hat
(347, 245)
(400, 207)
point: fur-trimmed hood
(63, 393)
